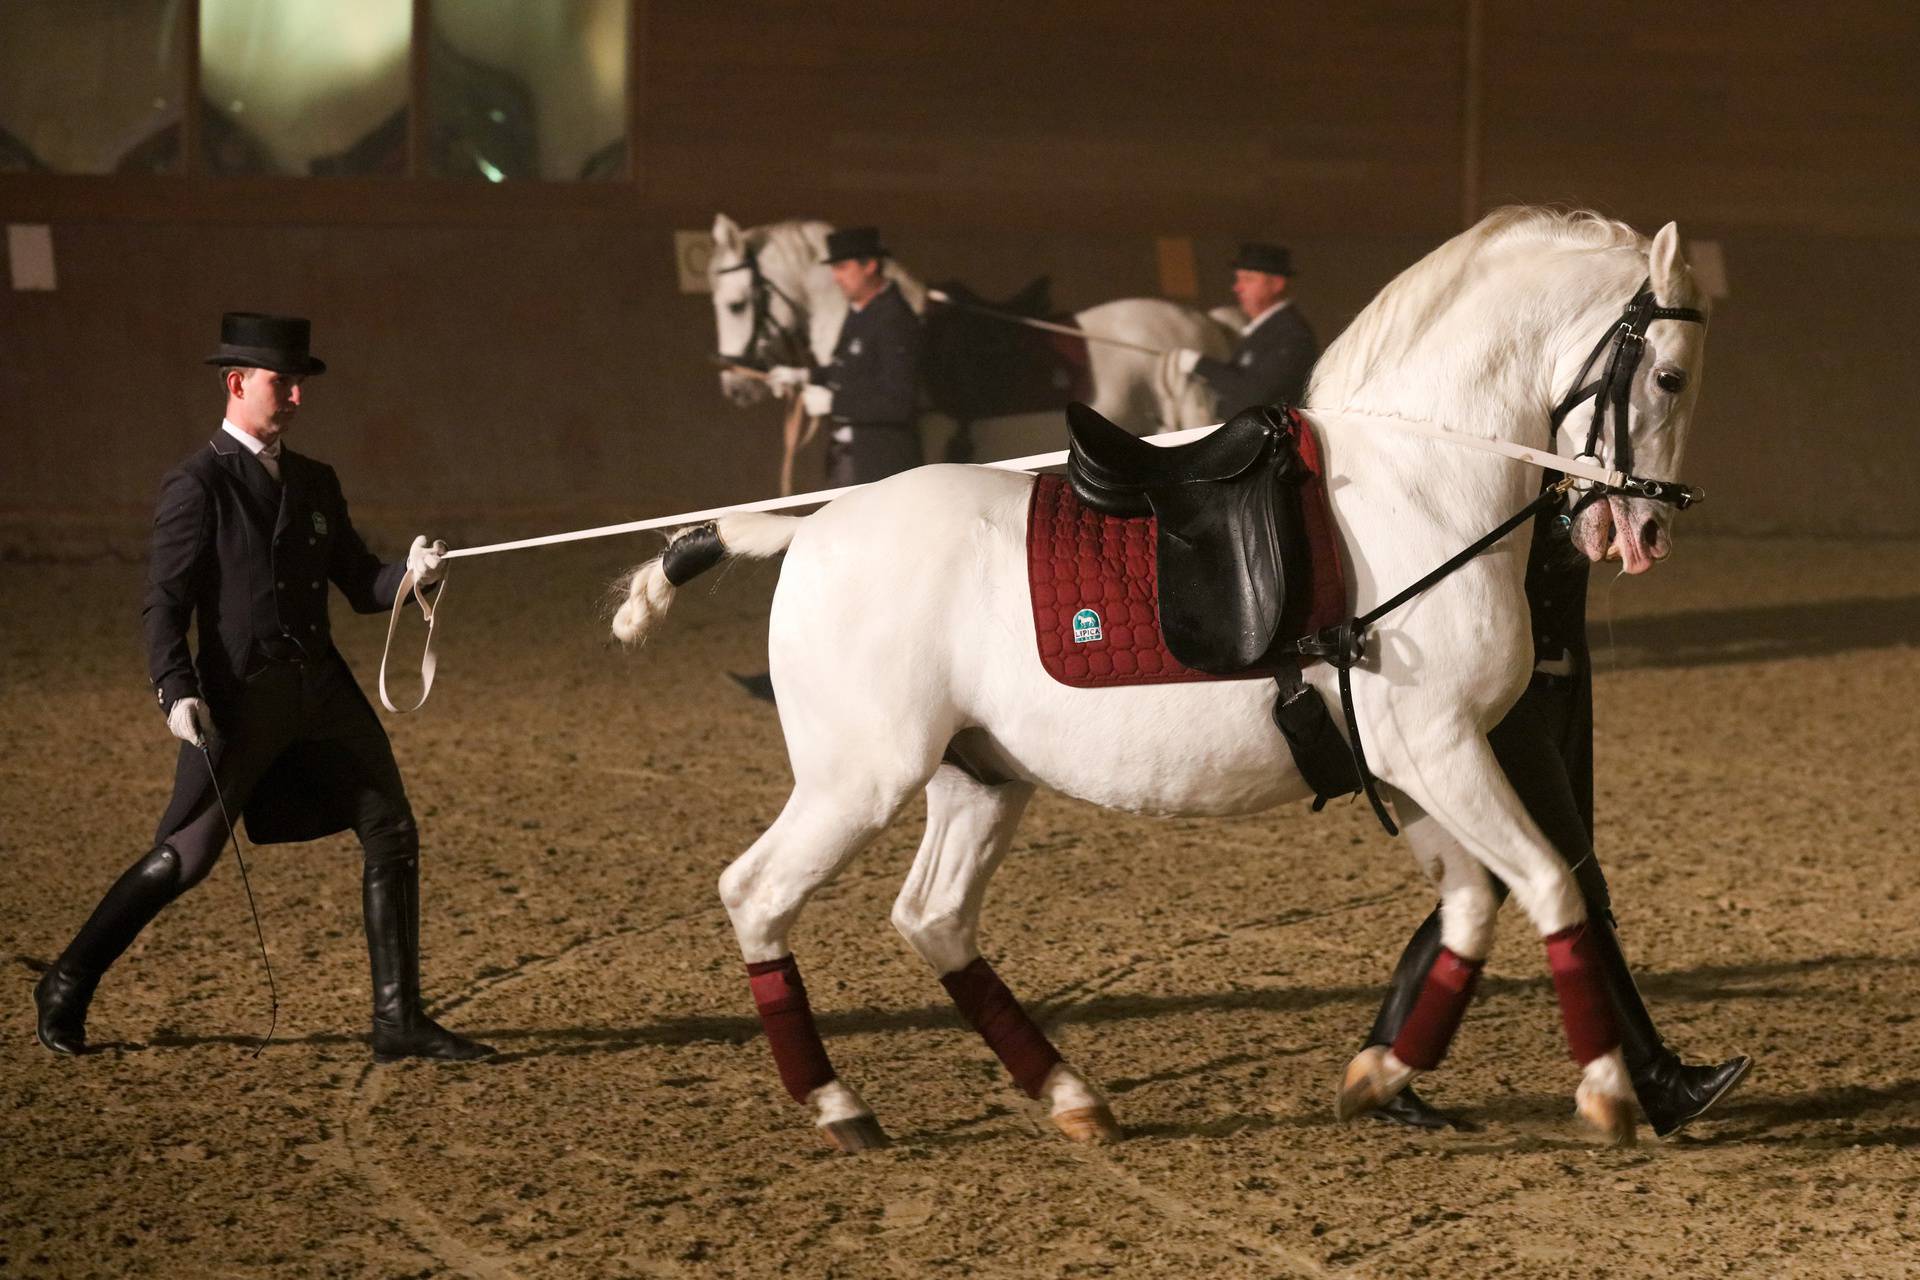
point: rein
(1046, 326)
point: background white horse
(804, 311)
(903, 656)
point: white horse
(774, 300)
(902, 654)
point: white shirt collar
(1266, 315)
(254, 446)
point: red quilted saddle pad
(1093, 580)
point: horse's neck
(1486, 362)
(1485, 366)
(791, 255)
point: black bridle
(1613, 391)
(759, 351)
(1342, 646)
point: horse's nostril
(1650, 536)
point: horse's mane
(1398, 342)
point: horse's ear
(1664, 265)
(726, 234)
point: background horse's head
(1664, 386)
(757, 307)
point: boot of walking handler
(1671, 1093)
(1403, 989)
(65, 990)
(390, 897)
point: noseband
(762, 291)
(1613, 390)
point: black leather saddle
(1234, 562)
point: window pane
(518, 90)
(304, 86)
(90, 86)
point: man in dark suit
(870, 389)
(246, 537)
(1276, 350)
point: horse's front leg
(1458, 781)
(1468, 905)
(970, 826)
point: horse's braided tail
(693, 551)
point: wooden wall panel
(1029, 115)
(1782, 116)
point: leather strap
(428, 610)
(1346, 644)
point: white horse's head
(1663, 388)
(758, 316)
(1499, 329)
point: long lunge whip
(273, 988)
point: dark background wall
(522, 360)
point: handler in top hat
(1276, 350)
(246, 537)
(870, 389)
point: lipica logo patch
(1086, 627)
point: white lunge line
(1577, 467)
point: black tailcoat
(248, 559)
(1269, 365)
(875, 370)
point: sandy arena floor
(1758, 762)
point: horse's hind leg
(970, 825)
(764, 890)
(1467, 909)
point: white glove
(426, 563)
(818, 401)
(785, 379)
(190, 721)
(1184, 358)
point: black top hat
(253, 341)
(1270, 258)
(854, 242)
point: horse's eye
(1671, 381)
(737, 308)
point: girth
(1232, 542)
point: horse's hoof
(1088, 1124)
(862, 1133)
(1368, 1085)
(1609, 1118)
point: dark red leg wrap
(1579, 979)
(788, 1020)
(990, 1008)
(1428, 1031)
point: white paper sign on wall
(30, 255)
(1709, 263)
(691, 250)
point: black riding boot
(390, 896)
(1403, 989)
(64, 991)
(1671, 1093)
